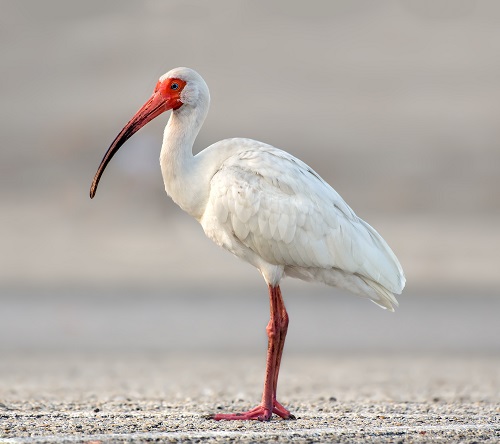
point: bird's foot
(279, 410)
(259, 413)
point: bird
(266, 207)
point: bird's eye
(174, 86)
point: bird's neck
(179, 167)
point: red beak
(156, 105)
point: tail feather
(383, 297)
(357, 284)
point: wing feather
(279, 208)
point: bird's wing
(287, 214)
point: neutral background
(396, 104)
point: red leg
(278, 408)
(276, 333)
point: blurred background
(396, 104)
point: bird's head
(177, 89)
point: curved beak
(156, 105)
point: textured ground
(136, 397)
(139, 366)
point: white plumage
(261, 203)
(272, 210)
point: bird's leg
(283, 325)
(276, 333)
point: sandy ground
(132, 367)
(141, 397)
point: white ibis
(266, 207)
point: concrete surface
(141, 397)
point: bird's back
(268, 206)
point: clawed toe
(252, 415)
(259, 413)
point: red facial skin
(166, 96)
(171, 95)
